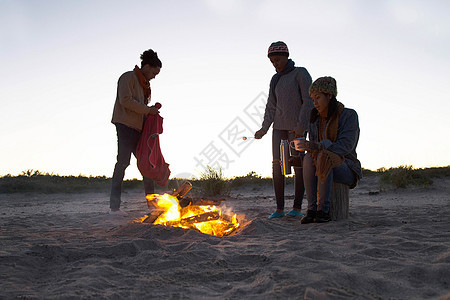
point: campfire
(202, 215)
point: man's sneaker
(309, 218)
(276, 215)
(293, 213)
(322, 217)
(118, 212)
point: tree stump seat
(339, 201)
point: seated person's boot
(322, 217)
(309, 218)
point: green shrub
(367, 172)
(31, 181)
(250, 178)
(438, 172)
(403, 176)
(213, 182)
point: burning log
(182, 190)
(179, 193)
(155, 212)
(205, 217)
(152, 216)
(200, 201)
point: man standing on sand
(288, 108)
(130, 109)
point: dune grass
(211, 182)
(403, 176)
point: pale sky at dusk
(60, 62)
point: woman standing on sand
(130, 109)
(331, 149)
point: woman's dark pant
(340, 174)
(278, 177)
(127, 140)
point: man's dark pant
(278, 177)
(127, 140)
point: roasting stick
(247, 138)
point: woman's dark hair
(332, 109)
(150, 57)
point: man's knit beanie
(325, 85)
(278, 48)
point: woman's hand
(153, 110)
(304, 145)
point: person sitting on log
(331, 149)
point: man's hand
(259, 134)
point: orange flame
(208, 219)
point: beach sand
(395, 245)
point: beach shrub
(403, 176)
(40, 182)
(367, 172)
(437, 172)
(131, 184)
(213, 182)
(35, 181)
(250, 178)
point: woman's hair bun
(150, 57)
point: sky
(60, 62)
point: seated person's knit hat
(325, 85)
(278, 48)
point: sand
(395, 245)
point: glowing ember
(208, 219)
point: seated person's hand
(305, 145)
